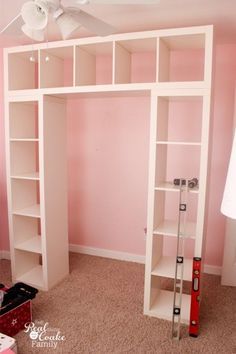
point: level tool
(179, 265)
(195, 298)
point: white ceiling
(128, 18)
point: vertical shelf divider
(122, 65)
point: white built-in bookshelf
(38, 81)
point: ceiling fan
(36, 14)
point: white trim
(211, 269)
(5, 255)
(100, 252)
(122, 256)
(130, 257)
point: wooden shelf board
(170, 228)
(163, 306)
(33, 277)
(32, 211)
(24, 139)
(166, 268)
(113, 90)
(32, 245)
(189, 143)
(197, 84)
(31, 176)
(170, 187)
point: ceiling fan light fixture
(67, 25)
(35, 14)
(36, 35)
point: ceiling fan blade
(13, 27)
(93, 24)
(118, 2)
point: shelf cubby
(166, 268)
(177, 161)
(162, 297)
(135, 61)
(28, 268)
(32, 211)
(27, 233)
(179, 120)
(24, 158)
(23, 120)
(25, 196)
(23, 70)
(93, 64)
(56, 67)
(164, 257)
(166, 213)
(168, 227)
(181, 58)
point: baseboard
(130, 257)
(100, 252)
(5, 255)
(210, 269)
(122, 256)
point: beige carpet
(99, 309)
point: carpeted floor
(99, 309)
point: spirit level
(195, 298)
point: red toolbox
(15, 310)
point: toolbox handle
(28, 290)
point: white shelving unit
(142, 63)
(35, 137)
(178, 149)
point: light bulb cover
(67, 24)
(37, 35)
(57, 13)
(228, 206)
(35, 14)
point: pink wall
(108, 167)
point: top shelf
(152, 57)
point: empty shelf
(33, 277)
(163, 306)
(166, 268)
(170, 228)
(32, 211)
(31, 176)
(32, 245)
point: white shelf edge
(183, 31)
(170, 187)
(29, 176)
(166, 268)
(170, 228)
(31, 245)
(197, 89)
(24, 140)
(31, 211)
(187, 143)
